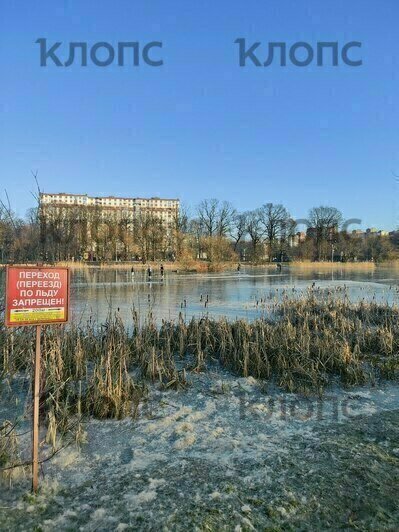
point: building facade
(133, 208)
(107, 228)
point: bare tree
(255, 231)
(178, 231)
(125, 233)
(196, 229)
(225, 216)
(274, 219)
(208, 215)
(239, 228)
(324, 222)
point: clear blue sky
(201, 126)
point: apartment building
(297, 239)
(133, 208)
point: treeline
(215, 231)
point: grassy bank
(184, 266)
(201, 266)
(205, 266)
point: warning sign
(36, 295)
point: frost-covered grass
(225, 453)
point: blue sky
(201, 126)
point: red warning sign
(36, 295)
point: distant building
(297, 239)
(373, 231)
(325, 232)
(131, 208)
(78, 225)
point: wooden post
(36, 399)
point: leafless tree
(208, 216)
(255, 231)
(178, 231)
(225, 217)
(274, 219)
(324, 222)
(239, 228)
(196, 229)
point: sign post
(36, 400)
(36, 295)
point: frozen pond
(244, 295)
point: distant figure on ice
(162, 271)
(132, 272)
(279, 267)
(149, 273)
(238, 267)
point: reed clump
(300, 344)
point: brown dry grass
(197, 266)
(308, 265)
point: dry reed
(302, 346)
